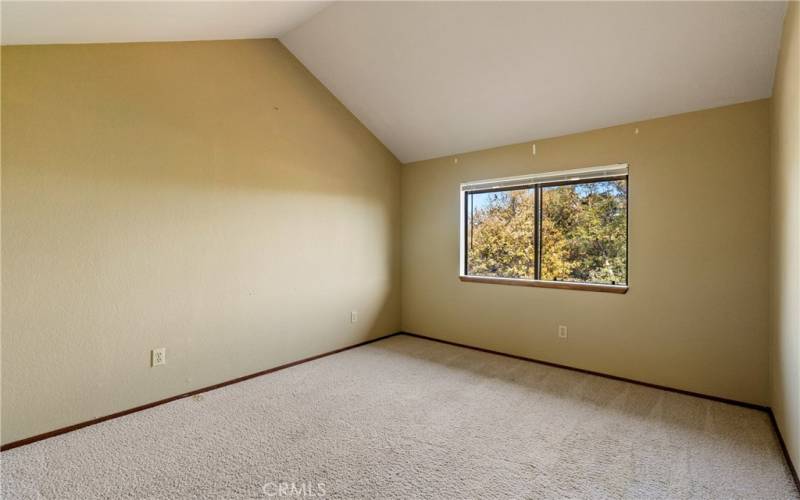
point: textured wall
(785, 346)
(696, 314)
(212, 198)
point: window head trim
(560, 177)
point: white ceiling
(433, 79)
(35, 22)
(436, 78)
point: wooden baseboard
(718, 399)
(599, 374)
(87, 423)
(785, 450)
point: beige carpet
(411, 418)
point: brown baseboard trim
(75, 427)
(87, 423)
(784, 449)
(599, 374)
(718, 399)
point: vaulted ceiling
(433, 79)
(47, 22)
(436, 78)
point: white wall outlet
(158, 356)
(353, 316)
(562, 331)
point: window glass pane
(584, 232)
(500, 234)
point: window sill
(564, 285)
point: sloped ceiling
(436, 78)
(433, 79)
(35, 22)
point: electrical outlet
(158, 356)
(562, 331)
(353, 316)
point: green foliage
(584, 233)
(588, 223)
(503, 236)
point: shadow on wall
(209, 197)
(187, 113)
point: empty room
(387, 249)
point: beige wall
(695, 317)
(212, 198)
(785, 312)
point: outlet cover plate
(158, 356)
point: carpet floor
(412, 418)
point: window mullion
(468, 215)
(537, 228)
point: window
(563, 229)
